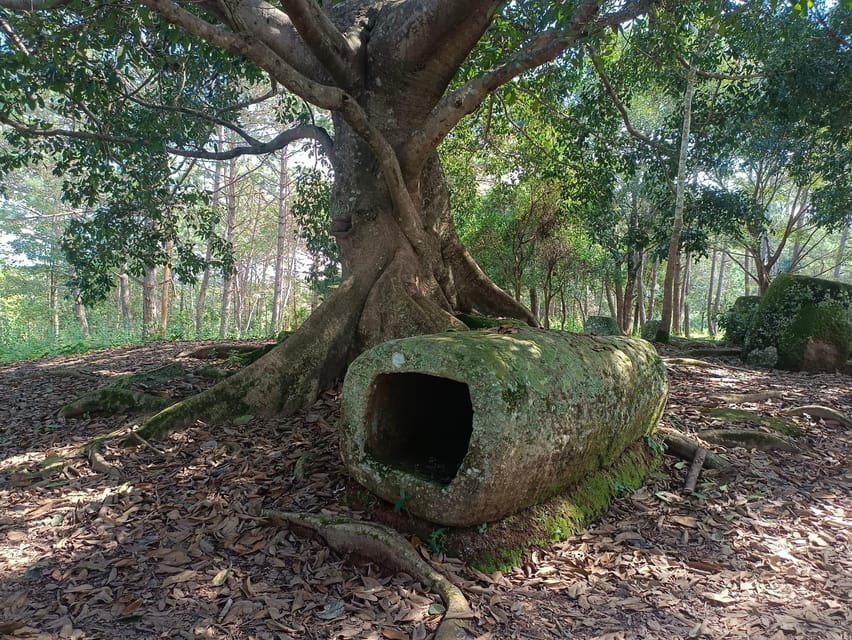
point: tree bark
(124, 298)
(746, 273)
(711, 323)
(720, 285)
(672, 265)
(230, 224)
(841, 250)
(684, 294)
(164, 296)
(278, 301)
(652, 294)
(149, 303)
(201, 299)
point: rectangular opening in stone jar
(419, 424)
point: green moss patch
(502, 545)
(787, 427)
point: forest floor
(172, 544)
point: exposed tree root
(113, 400)
(286, 379)
(703, 364)
(390, 549)
(826, 413)
(219, 350)
(748, 439)
(737, 398)
(701, 352)
(685, 448)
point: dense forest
(570, 185)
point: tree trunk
(747, 273)
(230, 224)
(640, 291)
(672, 264)
(652, 294)
(841, 250)
(164, 297)
(677, 291)
(80, 314)
(208, 254)
(534, 306)
(53, 302)
(711, 323)
(395, 288)
(149, 303)
(124, 298)
(720, 284)
(684, 294)
(278, 301)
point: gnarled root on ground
(391, 550)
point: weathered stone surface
(808, 320)
(649, 330)
(464, 428)
(601, 326)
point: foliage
(736, 320)
(310, 209)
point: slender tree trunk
(278, 301)
(124, 298)
(796, 257)
(711, 322)
(841, 250)
(203, 286)
(534, 302)
(720, 284)
(684, 295)
(230, 224)
(80, 314)
(610, 303)
(747, 273)
(640, 291)
(677, 291)
(652, 294)
(680, 198)
(53, 302)
(149, 303)
(165, 297)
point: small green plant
(399, 505)
(437, 540)
(657, 446)
(619, 488)
(483, 527)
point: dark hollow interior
(420, 424)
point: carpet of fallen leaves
(172, 544)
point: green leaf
(241, 420)
(436, 609)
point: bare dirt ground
(173, 545)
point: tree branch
(625, 118)
(257, 148)
(324, 96)
(32, 5)
(543, 48)
(280, 141)
(324, 40)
